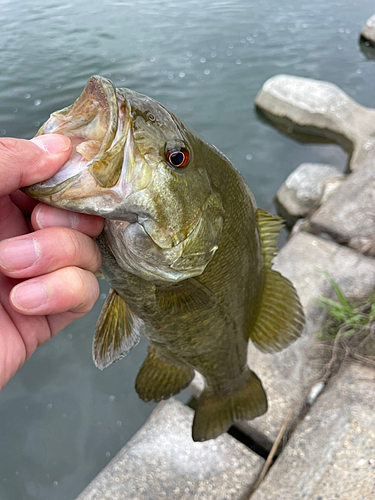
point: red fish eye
(151, 117)
(178, 157)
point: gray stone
(368, 30)
(319, 109)
(331, 455)
(305, 188)
(287, 374)
(162, 461)
(349, 215)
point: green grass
(345, 317)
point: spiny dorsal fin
(117, 331)
(187, 296)
(280, 319)
(158, 379)
(269, 230)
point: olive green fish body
(185, 250)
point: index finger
(45, 216)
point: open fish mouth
(96, 124)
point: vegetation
(350, 326)
(345, 318)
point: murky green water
(61, 419)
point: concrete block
(331, 455)
(162, 461)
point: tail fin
(215, 413)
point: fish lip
(102, 91)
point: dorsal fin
(117, 331)
(280, 319)
(269, 230)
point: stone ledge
(162, 461)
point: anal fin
(215, 412)
(117, 331)
(280, 319)
(158, 379)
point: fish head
(141, 168)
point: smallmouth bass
(185, 250)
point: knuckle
(73, 248)
(82, 250)
(85, 289)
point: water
(61, 419)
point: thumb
(25, 162)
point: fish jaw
(103, 168)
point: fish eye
(178, 157)
(151, 117)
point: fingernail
(55, 217)
(29, 295)
(19, 254)
(52, 143)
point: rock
(287, 374)
(331, 454)
(305, 188)
(349, 215)
(368, 30)
(322, 110)
(162, 461)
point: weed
(345, 318)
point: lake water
(61, 419)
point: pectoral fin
(99, 275)
(158, 379)
(187, 296)
(280, 319)
(117, 331)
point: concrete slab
(331, 455)
(162, 461)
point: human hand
(47, 260)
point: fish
(187, 253)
